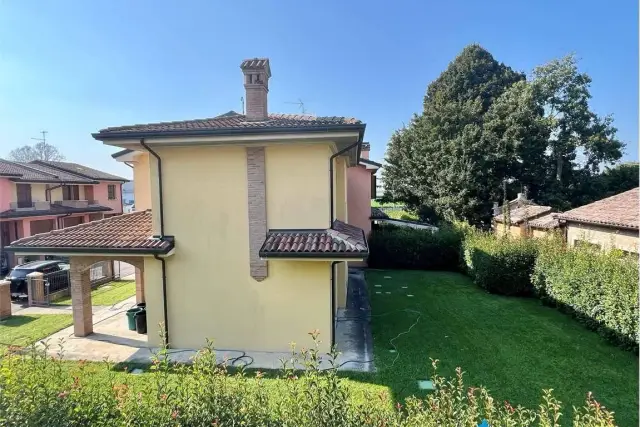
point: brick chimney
(364, 150)
(256, 84)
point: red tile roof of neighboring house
(377, 213)
(77, 169)
(340, 241)
(620, 210)
(232, 121)
(546, 221)
(523, 213)
(127, 233)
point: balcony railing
(72, 203)
(36, 205)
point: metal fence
(57, 284)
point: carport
(127, 238)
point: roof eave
(102, 136)
(90, 250)
(602, 224)
(322, 255)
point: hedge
(414, 249)
(37, 390)
(501, 265)
(599, 288)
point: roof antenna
(242, 100)
(44, 136)
(300, 105)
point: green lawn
(108, 294)
(514, 346)
(25, 330)
(395, 213)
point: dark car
(53, 273)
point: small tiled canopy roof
(524, 213)
(232, 121)
(620, 210)
(340, 241)
(547, 221)
(128, 234)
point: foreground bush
(40, 391)
(415, 249)
(599, 288)
(501, 265)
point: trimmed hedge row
(501, 265)
(600, 289)
(414, 249)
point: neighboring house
(544, 226)
(40, 196)
(240, 232)
(517, 223)
(361, 188)
(608, 223)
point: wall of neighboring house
(7, 193)
(512, 230)
(142, 182)
(101, 194)
(359, 197)
(541, 232)
(211, 293)
(606, 237)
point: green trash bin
(131, 320)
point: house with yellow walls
(241, 232)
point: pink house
(361, 188)
(40, 196)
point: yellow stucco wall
(210, 291)
(141, 182)
(541, 233)
(342, 272)
(341, 189)
(606, 237)
(297, 185)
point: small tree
(40, 151)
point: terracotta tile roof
(377, 213)
(53, 175)
(77, 169)
(523, 213)
(546, 221)
(620, 210)
(54, 209)
(340, 241)
(232, 121)
(127, 233)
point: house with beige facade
(242, 232)
(608, 223)
(517, 222)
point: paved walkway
(112, 338)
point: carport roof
(127, 234)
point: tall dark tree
(443, 162)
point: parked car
(54, 275)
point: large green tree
(440, 160)
(580, 141)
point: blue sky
(73, 67)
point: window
(71, 192)
(24, 195)
(111, 191)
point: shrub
(417, 249)
(599, 288)
(36, 390)
(501, 265)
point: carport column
(81, 297)
(5, 299)
(139, 285)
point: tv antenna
(300, 105)
(44, 136)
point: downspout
(162, 237)
(333, 303)
(331, 183)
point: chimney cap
(255, 64)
